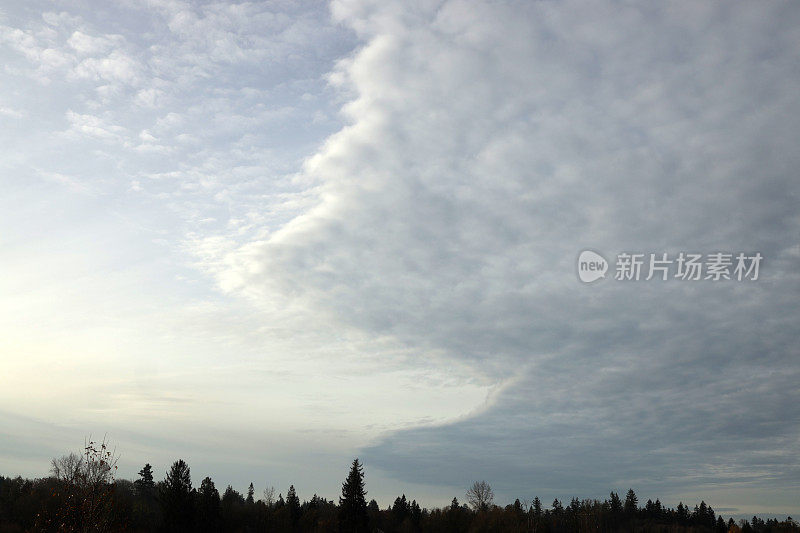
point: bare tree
(480, 496)
(67, 468)
(269, 496)
(86, 485)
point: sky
(269, 237)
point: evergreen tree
(416, 514)
(231, 508)
(372, 506)
(616, 506)
(537, 507)
(682, 514)
(232, 496)
(145, 486)
(711, 518)
(631, 503)
(400, 509)
(374, 514)
(208, 506)
(293, 504)
(176, 498)
(352, 504)
(250, 492)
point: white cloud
(61, 19)
(116, 67)
(94, 126)
(149, 97)
(488, 145)
(11, 112)
(90, 45)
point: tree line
(82, 494)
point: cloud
(90, 45)
(415, 254)
(58, 50)
(96, 127)
(116, 67)
(10, 112)
(486, 145)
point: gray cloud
(488, 145)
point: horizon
(449, 238)
(547, 504)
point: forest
(82, 494)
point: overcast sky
(269, 237)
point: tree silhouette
(400, 510)
(293, 504)
(616, 509)
(416, 514)
(537, 507)
(67, 468)
(682, 514)
(85, 487)
(353, 503)
(176, 498)
(631, 504)
(208, 506)
(480, 496)
(250, 492)
(269, 496)
(145, 486)
(83, 496)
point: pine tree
(616, 505)
(682, 514)
(208, 505)
(372, 507)
(353, 504)
(145, 486)
(250, 492)
(631, 503)
(231, 497)
(293, 503)
(711, 517)
(416, 514)
(176, 497)
(400, 509)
